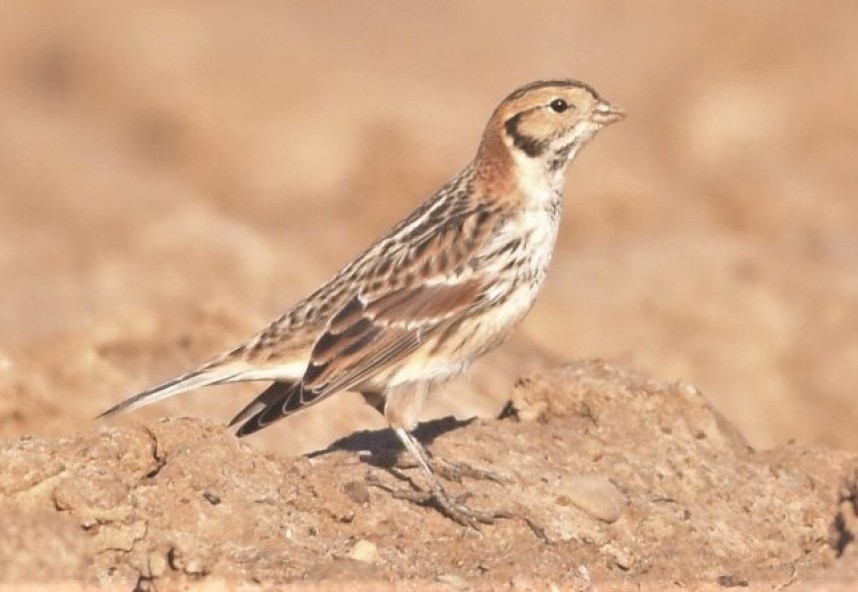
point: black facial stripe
(561, 156)
(533, 147)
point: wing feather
(365, 338)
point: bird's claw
(454, 508)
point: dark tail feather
(274, 397)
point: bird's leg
(454, 470)
(454, 508)
(450, 470)
(401, 408)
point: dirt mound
(613, 479)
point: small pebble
(157, 565)
(364, 551)
(595, 495)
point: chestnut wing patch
(364, 338)
(367, 336)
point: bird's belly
(491, 328)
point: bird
(444, 286)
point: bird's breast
(514, 274)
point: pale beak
(605, 113)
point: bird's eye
(559, 105)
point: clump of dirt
(612, 478)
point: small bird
(444, 286)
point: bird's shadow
(384, 446)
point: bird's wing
(365, 337)
(417, 281)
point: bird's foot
(455, 470)
(454, 508)
(452, 470)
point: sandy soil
(612, 479)
(171, 177)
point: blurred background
(174, 176)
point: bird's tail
(215, 372)
(273, 397)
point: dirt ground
(612, 480)
(173, 176)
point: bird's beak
(606, 113)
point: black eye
(559, 105)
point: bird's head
(543, 125)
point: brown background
(172, 177)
